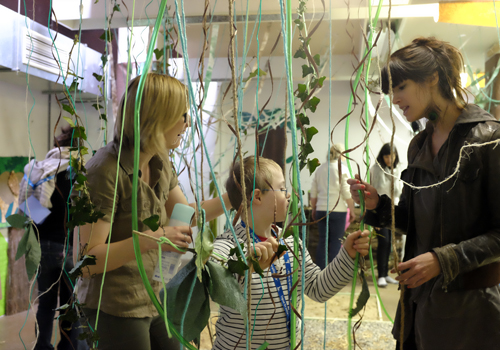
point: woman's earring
(433, 116)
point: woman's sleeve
(314, 185)
(483, 249)
(344, 190)
(322, 285)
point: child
(269, 205)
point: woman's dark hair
(420, 60)
(64, 138)
(385, 151)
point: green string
(362, 204)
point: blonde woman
(333, 191)
(127, 317)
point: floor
(12, 329)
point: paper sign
(35, 210)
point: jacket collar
(127, 159)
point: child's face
(276, 198)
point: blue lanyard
(277, 281)
(39, 182)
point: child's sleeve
(322, 285)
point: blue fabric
(50, 269)
(336, 230)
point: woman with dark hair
(451, 271)
(48, 182)
(381, 179)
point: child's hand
(265, 252)
(357, 242)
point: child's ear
(257, 196)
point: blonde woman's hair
(164, 102)
(263, 178)
(335, 151)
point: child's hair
(385, 151)
(263, 178)
(164, 102)
(420, 60)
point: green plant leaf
(263, 346)
(73, 87)
(236, 251)
(22, 246)
(198, 310)
(304, 120)
(103, 116)
(307, 149)
(310, 132)
(70, 110)
(97, 106)
(104, 60)
(76, 271)
(320, 81)
(18, 220)
(256, 267)
(237, 266)
(289, 160)
(204, 246)
(69, 121)
(33, 253)
(281, 248)
(253, 74)
(158, 53)
(316, 58)
(79, 131)
(109, 35)
(363, 296)
(97, 76)
(300, 54)
(306, 70)
(116, 8)
(312, 104)
(225, 290)
(312, 165)
(152, 222)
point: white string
(457, 170)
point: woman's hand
(418, 270)
(178, 235)
(357, 242)
(265, 252)
(370, 193)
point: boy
(269, 205)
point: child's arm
(322, 285)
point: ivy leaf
(237, 266)
(109, 36)
(256, 72)
(299, 23)
(68, 109)
(256, 267)
(158, 53)
(225, 290)
(304, 120)
(313, 164)
(18, 220)
(316, 59)
(204, 246)
(312, 104)
(80, 178)
(76, 271)
(281, 248)
(104, 60)
(307, 149)
(289, 160)
(320, 81)
(310, 132)
(80, 132)
(22, 246)
(73, 87)
(236, 251)
(97, 76)
(152, 222)
(363, 296)
(33, 253)
(306, 70)
(69, 121)
(198, 310)
(300, 54)
(103, 116)
(97, 106)
(116, 8)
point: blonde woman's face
(173, 136)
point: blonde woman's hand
(370, 193)
(178, 235)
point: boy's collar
(274, 229)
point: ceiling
(349, 22)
